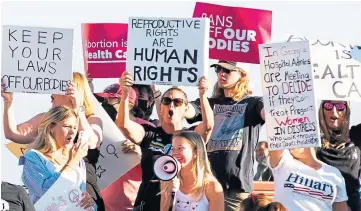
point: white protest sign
(337, 74)
(113, 163)
(36, 59)
(168, 51)
(356, 53)
(288, 94)
(63, 195)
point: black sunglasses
(218, 69)
(177, 101)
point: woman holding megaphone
(197, 188)
(155, 142)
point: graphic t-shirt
(184, 202)
(233, 140)
(155, 143)
(301, 188)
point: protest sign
(337, 74)
(36, 59)
(113, 163)
(356, 53)
(235, 32)
(64, 194)
(168, 51)
(17, 149)
(288, 94)
(104, 49)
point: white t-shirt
(301, 188)
(184, 202)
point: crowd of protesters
(216, 156)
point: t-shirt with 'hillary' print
(301, 188)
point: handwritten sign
(63, 195)
(36, 60)
(235, 32)
(288, 94)
(337, 74)
(113, 163)
(168, 51)
(104, 49)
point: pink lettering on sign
(104, 49)
(235, 32)
(294, 121)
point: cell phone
(83, 136)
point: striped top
(39, 173)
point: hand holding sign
(125, 82)
(8, 96)
(203, 86)
(73, 92)
(87, 201)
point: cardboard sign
(104, 49)
(113, 163)
(168, 51)
(36, 59)
(337, 74)
(235, 32)
(17, 149)
(288, 94)
(63, 195)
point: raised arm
(275, 157)
(205, 127)
(24, 133)
(132, 130)
(93, 125)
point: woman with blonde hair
(53, 153)
(78, 98)
(155, 142)
(197, 188)
(237, 120)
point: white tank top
(184, 202)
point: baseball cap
(115, 91)
(227, 64)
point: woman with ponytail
(195, 188)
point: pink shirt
(121, 194)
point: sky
(338, 21)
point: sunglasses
(328, 106)
(218, 69)
(177, 101)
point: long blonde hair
(44, 141)
(240, 90)
(201, 169)
(84, 90)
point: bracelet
(155, 97)
(160, 94)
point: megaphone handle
(172, 200)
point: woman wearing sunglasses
(238, 118)
(302, 181)
(158, 141)
(337, 150)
